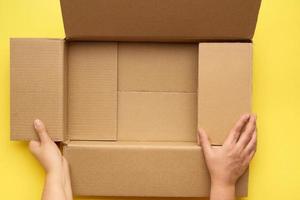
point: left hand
(46, 151)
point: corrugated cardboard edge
(65, 91)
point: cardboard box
(127, 112)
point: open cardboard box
(127, 110)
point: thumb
(34, 147)
(41, 131)
(204, 141)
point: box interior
(129, 91)
(132, 91)
(132, 108)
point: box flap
(156, 20)
(38, 87)
(170, 169)
(224, 85)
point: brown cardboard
(224, 89)
(37, 87)
(174, 169)
(148, 98)
(106, 101)
(154, 67)
(92, 81)
(157, 116)
(156, 20)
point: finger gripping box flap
(174, 169)
(37, 87)
(156, 20)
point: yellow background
(275, 171)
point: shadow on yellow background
(275, 171)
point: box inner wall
(132, 91)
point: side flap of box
(38, 87)
(156, 20)
(140, 169)
(224, 86)
(92, 95)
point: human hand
(228, 162)
(58, 183)
(45, 150)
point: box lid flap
(156, 20)
(140, 169)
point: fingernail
(247, 116)
(37, 123)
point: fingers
(241, 122)
(204, 141)
(41, 130)
(247, 134)
(249, 157)
(34, 146)
(250, 149)
(237, 129)
(251, 146)
(252, 153)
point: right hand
(228, 162)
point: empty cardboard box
(128, 87)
